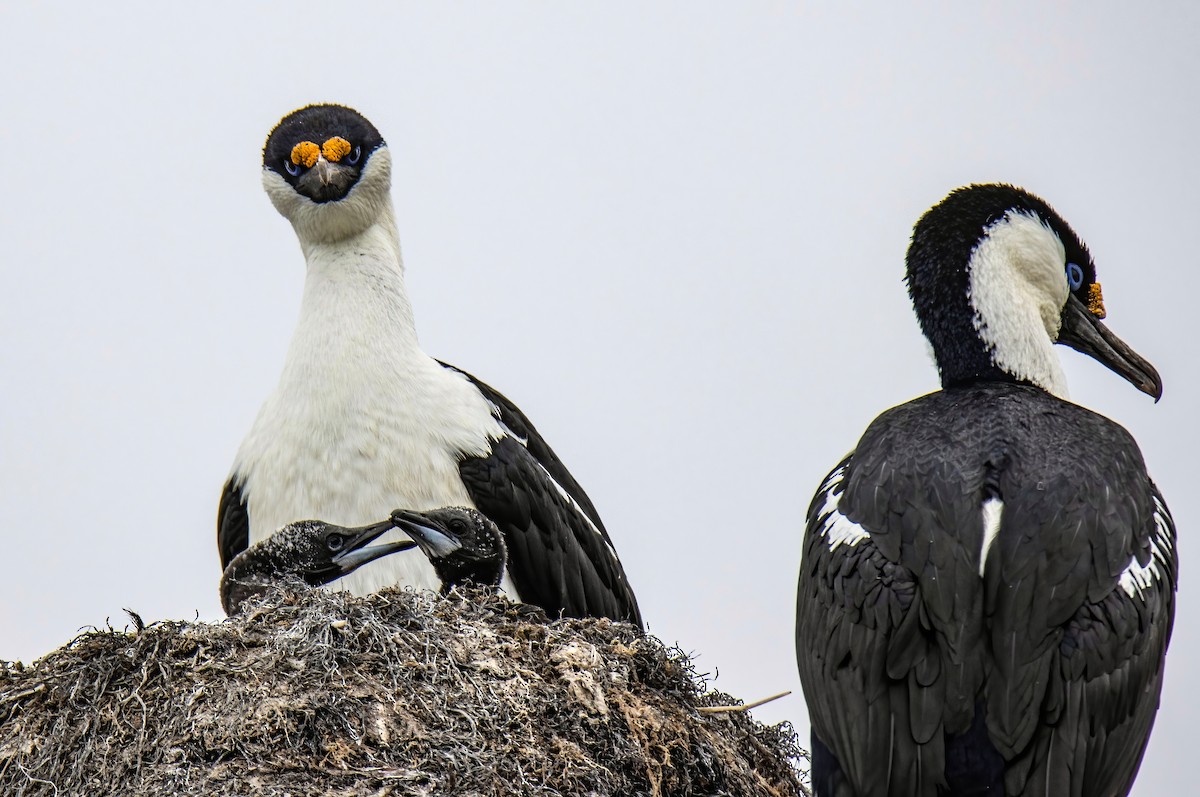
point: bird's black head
(321, 150)
(996, 277)
(311, 551)
(463, 545)
(321, 552)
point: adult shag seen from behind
(988, 579)
(364, 421)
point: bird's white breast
(362, 421)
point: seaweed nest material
(401, 693)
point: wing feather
(560, 555)
(233, 523)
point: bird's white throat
(368, 203)
(1017, 290)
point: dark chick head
(311, 551)
(463, 545)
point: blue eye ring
(1074, 276)
(292, 168)
(353, 157)
(335, 542)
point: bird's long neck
(378, 242)
(989, 293)
(1014, 321)
(1021, 348)
(355, 308)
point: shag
(988, 579)
(364, 421)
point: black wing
(1039, 673)
(233, 524)
(1106, 678)
(1080, 595)
(560, 556)
(870, 665)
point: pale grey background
(672, 233)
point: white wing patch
(574, 506)
(836, 528)
(1136, 578)
(1017, 289)
(992, 509)
(524, 441)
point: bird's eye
(292, 168)
(1074, 276)
(458, 526)
(353, 157)
(335, 542)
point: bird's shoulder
(559, 553)
(522, 430)
(1071, 484)
(1033, 437)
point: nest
(401, 693)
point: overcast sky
(672, 233)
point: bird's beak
(321, 167)
(327, 181)
(432, 538)
(1083, 332)
(359, 551)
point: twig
(23, 693)
(746, 707)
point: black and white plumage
(309, 551)
(987, 586)
(364, 421)
(464, 547)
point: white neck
(362, 421)
(1017, 290)
(355, 306)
